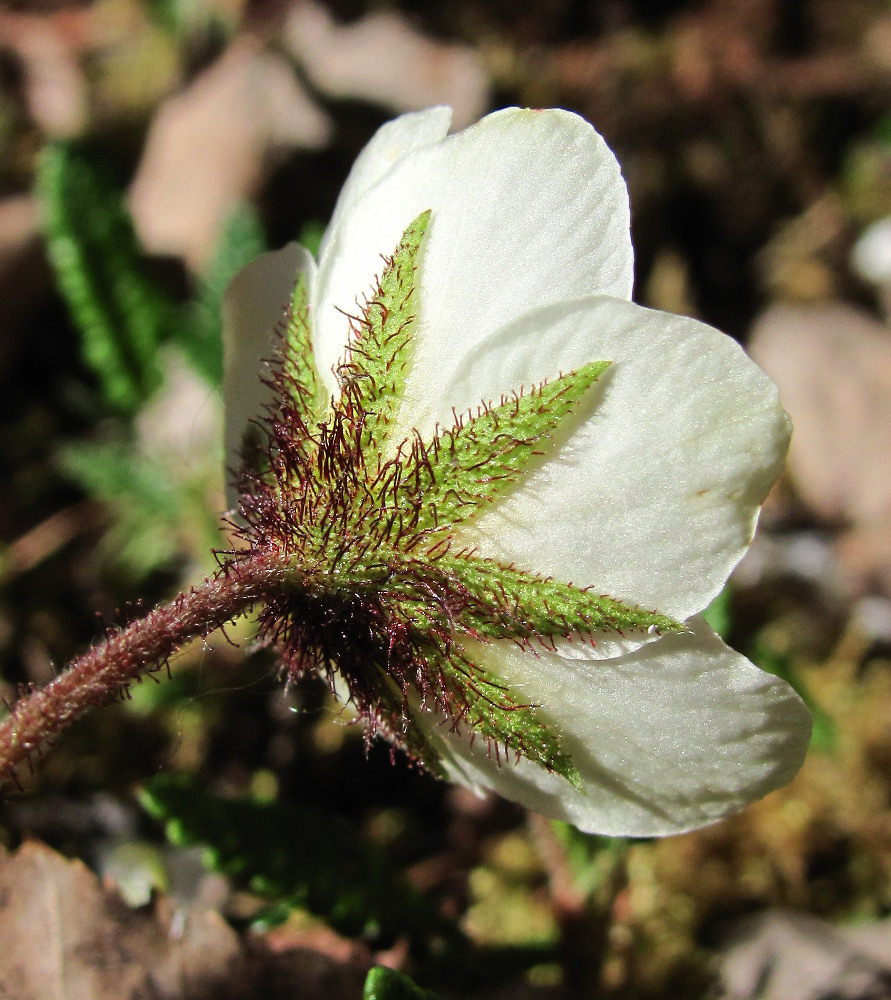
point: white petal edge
(254, 305)
(654, 497)
(386, 148)
(528, 208)
(672, 737)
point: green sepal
(491, 710)
(509, 603)
(467, 694)
(307, 392)
(470, 465)
(373, 377)
(413, 737)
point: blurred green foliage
(824, 736)
(121, 314)
(199, 331)
(387, 984)
(162, 508)
(186, 19)
(865, 182)
(718, 613)
(593, 861)
(159, 514)
(298, 855)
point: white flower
(524, 273)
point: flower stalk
(141, 648)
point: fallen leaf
(832, 364)
(797, 957)
(66, 937)
(210, 146)
(55, 87)
(864, 552)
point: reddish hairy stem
(144, 645)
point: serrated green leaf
(121, 314)
(299, 855)
(467, 467)
(158, 518)
(388, 984)
(200, 333)
(373, 377)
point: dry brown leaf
(55, 87)
(209, 146)
(18, 227)
(797, 957)
(865, 555)
(382, 59)
(832, 364)
(66, 937)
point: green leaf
(311, 236)
(160, 516)
(200, 333)
(596, 863)
(824, 736)
(469, 466)
(718, 613)
(121, 314)
(298, 855)
(373, 377)
(388, 984)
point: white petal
(254, 305)
(674, 736)
(528, 207)
(655, 496)
(388, 145)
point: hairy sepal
(301, 380)
(490, 709)
(508, 603)
(470, 465)
(372, 378)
